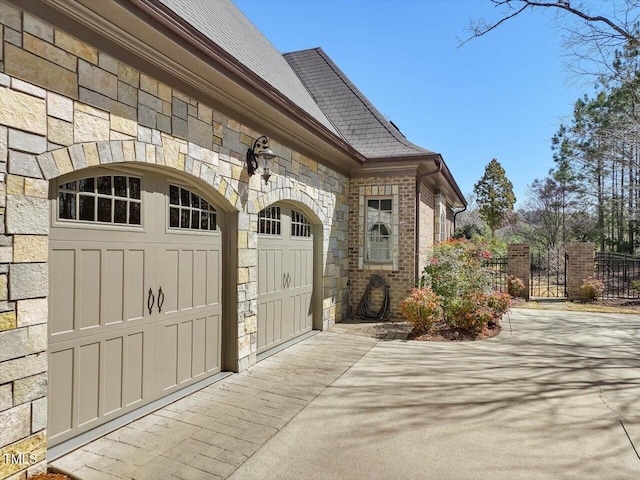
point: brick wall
(580, 265)
(519, 264)
(427, 200)
(67, 106)
(400, 276)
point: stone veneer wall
(400, 276)
(65, 106)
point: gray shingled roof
(225, 25)
(359, 122)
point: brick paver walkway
(208, 434)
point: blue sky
(500, 96)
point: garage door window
(300, 226)
(111, 199)
(269, 221)
(189, 211)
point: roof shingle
(353, 115)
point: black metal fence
(618, 271)
(498, 268)
(548, 273)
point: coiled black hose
(364, 307)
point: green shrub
(462, 286)
(469, 313)
(635, 286)
(591, 289)
(515, 285)
(456, 270)
(422, 309)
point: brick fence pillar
(580, 265)
(519, 264)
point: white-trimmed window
(379, 238)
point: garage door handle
(150, 301)
(160, 300)
(286, 280)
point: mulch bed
(49, 476)
(446, 333)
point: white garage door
(135, 295)
(285, 275)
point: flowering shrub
(514, 285)
(470, 312)
(422, 309)
(591, 289)
(456, 270)
(456, 289)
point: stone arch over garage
(307, 203)
(168, 155)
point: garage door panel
(185, 351)
(190, 349)
(60, 392)
(199, 278)
(213, 332)
(135, 355)
(270, 278)
(114, 286)
(214, 276)
(62, 292)
(134, 292)
(185, 283)
(198, 362)
(89, 287)
(169, 281)
(113, 374)
(168, 362)
(88, 368)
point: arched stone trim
(170, 154)
(317, 214)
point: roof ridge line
(284, 55)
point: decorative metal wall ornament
(261, 151)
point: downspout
(455, 214)
(419, 179)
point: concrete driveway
(557, 397)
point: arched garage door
(135, 295)
(285, 275)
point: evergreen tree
(495, 195)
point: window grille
(300, 226)
(113, 199)
(189, 211)
(269, 221)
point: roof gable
(353, 115)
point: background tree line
(593, 191)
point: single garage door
(135, 295)
(285, 275)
